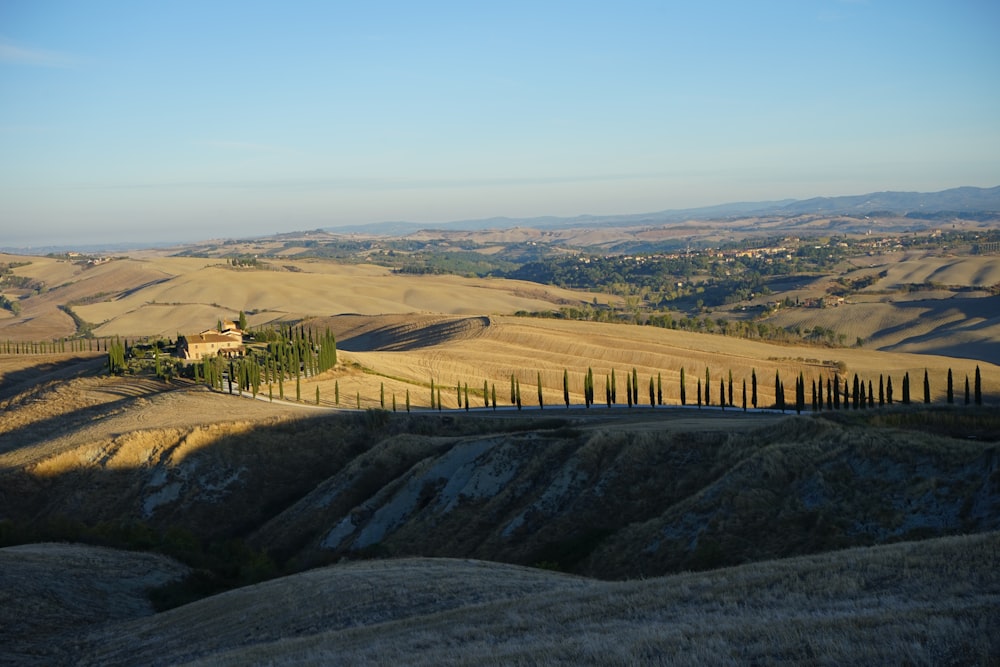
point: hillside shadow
(38, 431)
(407, 337)
(985, 308)
(16, 382)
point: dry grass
(525, 347)
(927, 603)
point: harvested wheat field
(407, 352)
(164, 296)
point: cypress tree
(855, 395)
(906, 388)
(967, 399)
(407, 399)
(978, 387)
(708, 384)
(881, 390)
(659, 388)
(871, 395)
(847, 395)
(951, 389)
(699, 393)
(465, 387)
(777, 391)
(566, 387)
(590, 386)
(486, 394)
(607, 390)
(433, 393)
(541, 404)
(317, 394)
(753, 387)
(730, 387)
(439, 407)
(513, 390)
(628, 388)
(652, 393)
(493, 394)
(381, 395)
(888, 390)
(722, 393)
(635, 387)
(614, 388)
(816, 400)
(359, 400)
(744, 394)
(864, 401)
(517, 392)
(683, 389)
(927, 388)
(830, 395)
(393, 401)
(336, 391)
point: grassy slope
(930, 602)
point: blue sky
(143, 121)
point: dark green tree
(699, 393)
(744, 394)
(659, 388)
(566, 387)
(652, 392)
(777, 391)
(978, 387)
(683, 388)
(906, 388)
(730, 387)
(927, 388)
(753, 387)
(951, 389)
(888, 390)
(541, 403)
(967, 394)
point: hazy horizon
(146, 124)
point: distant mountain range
(968, 200)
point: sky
(167, 121)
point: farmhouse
(210, 343)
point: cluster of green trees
(10, 304)
(288, 354)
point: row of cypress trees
(829, 395)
